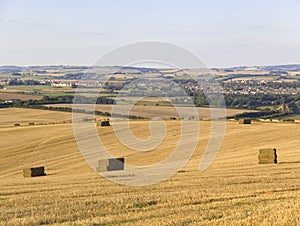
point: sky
(223, 33)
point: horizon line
(89, 66)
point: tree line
(60, 100)
(244, 101)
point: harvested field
(8, 96)
(156, 111)
(235, 190)
(10, 116)
(25, 116)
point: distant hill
(288, 67)
(10, 69)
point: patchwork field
(234, 190)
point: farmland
(144, 113)
(233, 189)
(149, 111)
(8, 96)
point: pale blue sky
(222, 33)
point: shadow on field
(289, 162)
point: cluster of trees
(213, 100)
(74, 75)
(68, 109)
(82, 111)
(245, 101)
(80, 75)
(64, 100)
(261, 114)
(19, 82)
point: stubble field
(164, 112)
(234, 190)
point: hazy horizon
(83, 65)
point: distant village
(268, 80)
(241, 86)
